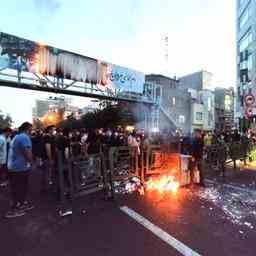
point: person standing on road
(19, 166)
(84, 146)
(63, 148)
(236, 137)
(208, 139)
(197, 150)
(75, 144)
(185, 145)
(4, 135)
(49, 155)
(40, 157)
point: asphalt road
(217, 220)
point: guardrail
(219, 155)
(80, 176)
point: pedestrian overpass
(28, 65)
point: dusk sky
(129, 33)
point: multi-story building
(52, 104)
(88, 109)
(40, 109)
(185, 107)
(224, 108)
(197, 81)
(172, 83)
(175, 107)
(199, 86)
(246, 58)
(202, 110)
(207, 99)
(174, 104)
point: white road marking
(173, 242)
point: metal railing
(219, 155)
(81, 176)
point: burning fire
(163, 184)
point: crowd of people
(25, 149)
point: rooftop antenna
(166, 53)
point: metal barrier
(236, 152)
(124, 164)
(88, 173)
(153, 159)
(252, 153)
(219, 155)
(99, 172)
(123, 161)
(82, 176)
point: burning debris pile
(128, 185)
(125, 183)
(162, 184)
(167, 173)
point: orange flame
(163, 184)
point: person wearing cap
(4, 135)
(19, 167)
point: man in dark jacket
(236, 137)
(197, 150)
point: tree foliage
(38, 124)
(5, 120)
(109, 117)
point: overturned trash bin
(166, 171)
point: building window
(182, 119)
(199, 116)
(244, 17)
(246, 63)
(249, 63)
(228, 103)
(209, 104)
(210, 119)
(242, 2)
(173, 101)
(245, 41)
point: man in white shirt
(4, 134)
(134, 143)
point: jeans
(19, 186)
(197, 163)
(47, 173)
(3, 173)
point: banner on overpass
(119, 78)
(28, 56)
